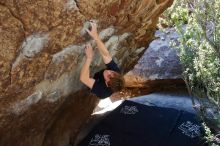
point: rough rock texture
(160, 64)
(41, 54)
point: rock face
(42, 101)
(160, 64)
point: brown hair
(116, 83)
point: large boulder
(42, 101)
(159, 66)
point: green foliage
(199, 45)
(211, 138)
(198, 24)
(177, 13)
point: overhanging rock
(41, 54)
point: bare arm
(106, 56)
(84, 74)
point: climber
(106, 81)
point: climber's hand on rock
(89, 51)
(93, 30)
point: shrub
(198, 24)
